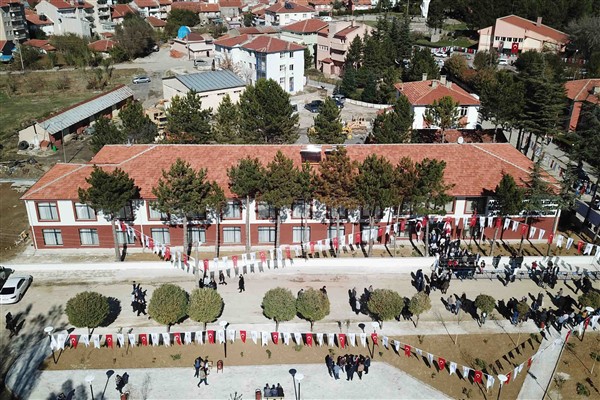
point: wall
(308, 40)
(173, 87)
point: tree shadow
(114, 309)
(79, 392)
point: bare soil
(576, 366)
(495, 353)
(13, 221)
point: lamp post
(48, 330)
(293, 373)
(224, 326)
(502, 379)
(89, 379)
(299, 378)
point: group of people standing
(138, 299)
(273, 391)
(202, 367)
(358, 302)
(350, 364)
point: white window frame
(55, 235)
(89, 237)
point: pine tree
(328, 124)
(422, 62)
(443, 113)
(405, 42)
(502, 102)
(136, 125)
(217, 203)
(226, 122)
(267, 115)
(348, 86)
(354, 53)
(394, 126)
(369, 94)
(109, 193)
(509, 197)
(106, 132)
(187, 123)
(309, 59)
(245, 180)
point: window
(449, 207)
(520, 40)
(301, 234)
(497, 37)
(153, 213)
(198, 216)
(364, 213)
(232, 235)
(47, 211)
(301, 209)
(161, 235)
(291, 88)
(265, 211)
(234, 210)
(123, 238)
(52, 237)
(503, 39)
(463, 111)
(475, 204)
(291, 54)
(89, 237)
(83, 211)
(282, 68)
(197, 234)
(126, 213)
(291, 67)
(304, 16)
(266, 234)
(333, 212)
(332, 232)
(282, 81)
(282, 55)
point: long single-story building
(59, 220)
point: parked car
(141, 79)
(14, 289)
(314, 106)
(503, 61)
(339, 103)
(339, 97)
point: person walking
(203, 377)
(10, 322)
(119, 382)
(222, 278)
(241, 284)
(329, 363)
(197, 365)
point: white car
(14, 289)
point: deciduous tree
(485, 303)
(168, 305)
(419, 304)
(178, 18)
(87, 310)
(385, 304)
(312, 305)
(135, 36)
(328, 124)
(205, 305)
(279, 304)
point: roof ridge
(152, 146)
(81, 166)
(476, 145)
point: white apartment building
(76, 16)
(12, 20)
(102, 15)
(287, 12)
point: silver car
(14, 289)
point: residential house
(321, 5)
(207, 12)
(334, 42)
(230, 8)
(157, 24)
(421, 95)
(359, 5)
(74, 119)
(165, 8)
(305, 33)
(287, 12)
(195, 45)
(152, 8)
(579, 92)
(76, 16)
(513, 35)
(38, 23)
(102, 13)
(119, 11)
(58, 220)
(211, 86)
(13, 24)
(254, 30)
(102, 46)
(264, 57)
(43, 46)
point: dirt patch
(493, 353)
(13, 221)
(577, 367)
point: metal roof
(211, 80)
(71, 116)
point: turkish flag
(205, 264)
(529, 362)
(243, 336)
(177, 338)
(312, 247)
(498, 222)
(514, 48)
(342, 340)
(185, 259)
(407, 350)
(477, 377)
(441, 363)
(550, 238)
(275, 337)
(123, 226)
(151, 244)
(374, 338)
(380, 233)
(357, 238)
(144, 339)
(567, 337)
(109, 341)
(211, 336)
(508, 377)
(335, 243)
(473, 221)
(73, 341)
(309, 339)
(580, 246)
(402, 225)
(263, 256)
(234, 259)
(167, 254)
(288, 252)
(524, 229)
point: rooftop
(540, 29)
(64, 5)
(344, 32)
(196, 6)
(231, 3)
(473, 169)
(210, 80)
(311, 25)
(102, 45)
(156, 22)
(146, 3)
(257, 30)
(583, 90)
(268, 44)
(289, 7)
(120, 10)
(35, 19)
(40, 44)
(423, 93)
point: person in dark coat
(367, 364)
(329, 363)
(241, 284)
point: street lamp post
(502, 379)
(293, 373)
(224, 326)
(89, 379)
(299, 378)
(48, 330)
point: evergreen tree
(109, 193)
(386, 91)
(245, 180)
(309, 60)
(394, 126)
(106, 132)
(503, 100)
(443, 113)
(182, 193)
(187, 123)
(279, 304)
(354, 53)
(312, 305)
(87, 310)
(328, 125)
(385, 305)
(135, 36)
(178, 18)
(168, 304)
(436, 14)
(136, 125)
(369, 93)
(419, 303)
(226, 122)
(306, 193)
(348, 86)
(405, 41)
(205, 305)
(374, 188)
(334, 184)
(422, 62)
(509, 198)
(267, 115)
(217, 203)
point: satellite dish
(460, 140)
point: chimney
(434, 83)
(539, 21)
(443, 80)
(424, 77)
(448, 84)
(596, 90)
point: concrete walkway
(540, 374)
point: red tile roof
(327, 60)
(268, 44)
(146, 3)
(165, 2)
(293, 8)
(320, 2)
(473, 169)
(40, 44)
(156, 22)
(6, 3)
(231, 3)
(311, 25)
(102, 45)
(121, 10)
(259, 12)
(2, 44)
(541, 29)
(344, 32)
(107, 35)
(34, 19)
(582, 90)
(257, 30)
(232, 41)
(196, 6)
(422, 93)
(64, 5)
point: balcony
(338, 46)
(103, 13)
(15, 9)
(18, 25)
(336, 56)
(16, 17)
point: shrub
(279, 304)
(419, 304)
(582, 390)
(485, 303)
(168, 305)
(385, 304)
(206, 305)
(312, 305)
(87, 309)
(590, 299)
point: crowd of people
(273, 391)
(138, 299)
(350, 364)
(202, 369)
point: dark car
(339, 103)
(314, 106)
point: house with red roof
(230, 8)
(579, 92)
(263, 56)
(321, 5)
(333, 43)
(59, 220)
(195, 45)
(359, 5)
(304, 33)
(43, 46)
(514, 35)
(76, 16)
(13, 24)
(207, 12)
(421, 95)
(287, 12)
(156, 23)
(39, 23)
(103, 46)
(119, 11)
